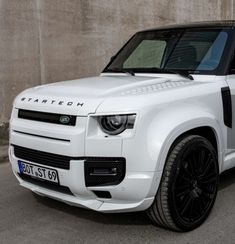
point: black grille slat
(46, 158)
(53, 118)
(43, 158)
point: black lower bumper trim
(103, 194)
(46, 184)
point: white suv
(152, 132)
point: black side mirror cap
(112, 58)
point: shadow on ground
(139, 218)
(227, 179)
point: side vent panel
(227, 106)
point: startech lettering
(55, 102)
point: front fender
(168, 125)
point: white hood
(83, 96)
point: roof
(202, 24)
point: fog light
(104, 171)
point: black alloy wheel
(189, 185)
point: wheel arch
(205, 131)
(210, 131)
(199, 126)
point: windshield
(190, 50)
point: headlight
(116, 124)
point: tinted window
(198, 51)
(191, 50)
(148, 54)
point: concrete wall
(45, 41)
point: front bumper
(136, 191)
(130, 195)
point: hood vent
(156, 87)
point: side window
(148, 54)
(204, 53)
(213, 56)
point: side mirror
(112, 58)
(232, 66)
(232, 71)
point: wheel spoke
(206, 190)
(201, 159)
(186, 170)
(208, 178)
(211, 180)
(195, 159)
(191, 168)
(202, 203)
(207, 196)
(191, 210)
(186, 205)
(207, 166)
(199, 205)
(188, 180)
(182, 193)
(182, 188)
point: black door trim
(227, 106)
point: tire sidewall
(195, 141)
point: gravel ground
(25, 218)
(3, 152)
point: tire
(188, 187)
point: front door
(228, 95)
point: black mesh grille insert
(46, 184)
(43, 158)
(47, 117)
(104, 171)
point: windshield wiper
(183, 73)
(130, 72)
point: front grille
(53, 118)
(43, 158)
(46, 184)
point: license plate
(38, 172)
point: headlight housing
(116, 124)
